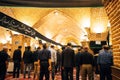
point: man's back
(27, 57)
(86, 58)
(44, 55)
(3, 57)
(105, 57)
(17, 55)
(68, 57)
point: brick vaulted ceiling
(59, 24)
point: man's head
(105, 47)
(29, 47)
(86, 48)
(38, 48)
(19, 47)
(80, 48)
(69, 44)
(5, 48)
(44, 45)
(52, 46)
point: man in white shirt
(53, 60)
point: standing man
(58, 64)
(3, 62)
(77, 60)
(36, 62)
(16, 60)
(87, 63)
(44, 59)
(53, 60)
(68, 62)
(105, 61)
(62, 70)
(28, 61)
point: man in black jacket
(17, 60)
(28, 61)
(77, 60)
(87, 63)
(68, 62)
(3, 62)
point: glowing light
(98, 28)
(86, 22)
(109, 24)
(8, 38)
(59, 47)
(25, 44)
(48, 35)
(56, 12)
(36, 38)
(43, 41)
(4, 41)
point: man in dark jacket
(77, 60)
(17, 60)
(44, 58)
(87, 63)
(68, 62)
(28, 61)
(3, 62)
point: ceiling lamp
(56, 12)
(109, 24)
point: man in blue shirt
(105, 61)
(44, 59)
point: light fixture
(3, 41)
(86, 23)
(109, 24)
(36, 38)
(56, 12)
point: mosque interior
(82, 25)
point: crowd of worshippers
(47, 62)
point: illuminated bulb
(56, 13)
(43, 41)
(36, 38)
(109, 24)
(98, 29)
(4, 41)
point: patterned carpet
(57, 77)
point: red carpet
(57, 77)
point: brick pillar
(112, 8)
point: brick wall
(112, 8)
